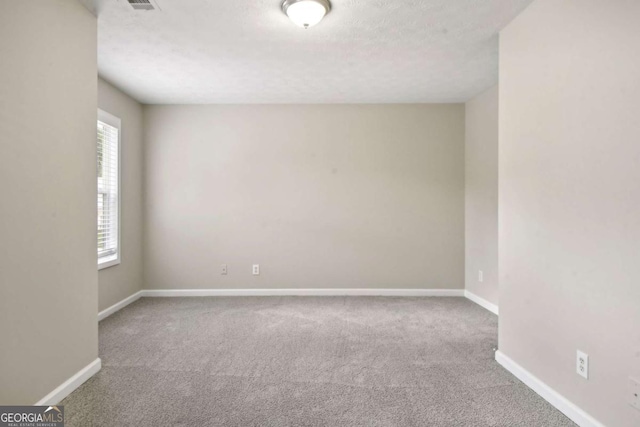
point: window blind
(108, 187)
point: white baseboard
(67, 387)
(482, 302)
(561, 403)
(302, 292)
(119, 305)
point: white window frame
(111, 120)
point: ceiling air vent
(141, 4)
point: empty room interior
(320, 213)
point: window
(108, 190)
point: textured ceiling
(247, 51)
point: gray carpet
(303, 361)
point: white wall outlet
(634, 392)
(223, 269)
(582, 364)
(480, 276)
(256, 269)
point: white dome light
(306, 13)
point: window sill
(108, 261)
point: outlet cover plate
(582, 364)
(634, 392)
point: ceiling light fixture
(306, 13)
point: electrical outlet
(480, 276)
(634, 393)
(582, 364)
(223, 269)
(256, 269)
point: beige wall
(481, 195)
(570, 199)
(344, 196)
(120, 281)
(48, 277)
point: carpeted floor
(303, 361)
